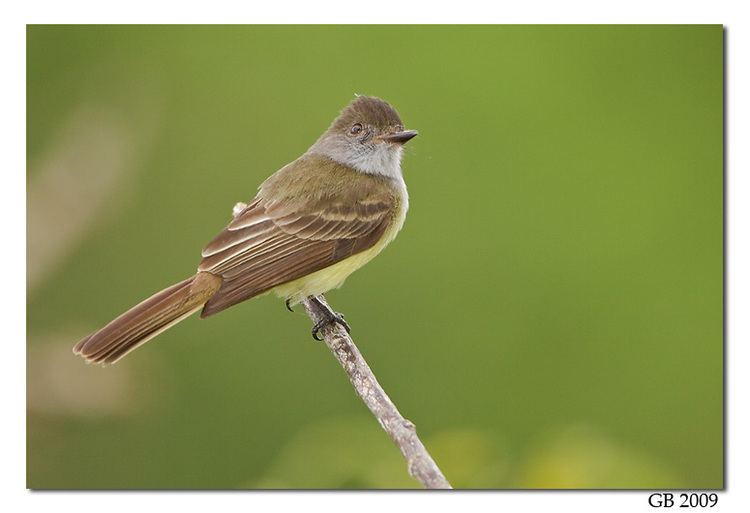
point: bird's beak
(399, 137)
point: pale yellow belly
(333, 277)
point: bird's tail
(147, 319)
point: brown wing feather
(276, 241)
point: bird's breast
(332, 277)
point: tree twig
(420, 464)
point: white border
(373, 11)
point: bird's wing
(279, 239)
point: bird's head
(368, 135)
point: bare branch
(421, 466)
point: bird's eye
(355, 129)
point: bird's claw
(288, 306)
(335, 318)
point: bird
(311, 224)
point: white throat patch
(377, 159)
(384, 160)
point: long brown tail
(147, 319)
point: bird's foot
(288, 306)
(337, 318)
(329, 316)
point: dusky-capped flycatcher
(313, 223)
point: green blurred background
(550, 316)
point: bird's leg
(288, 306)
(329, 317)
